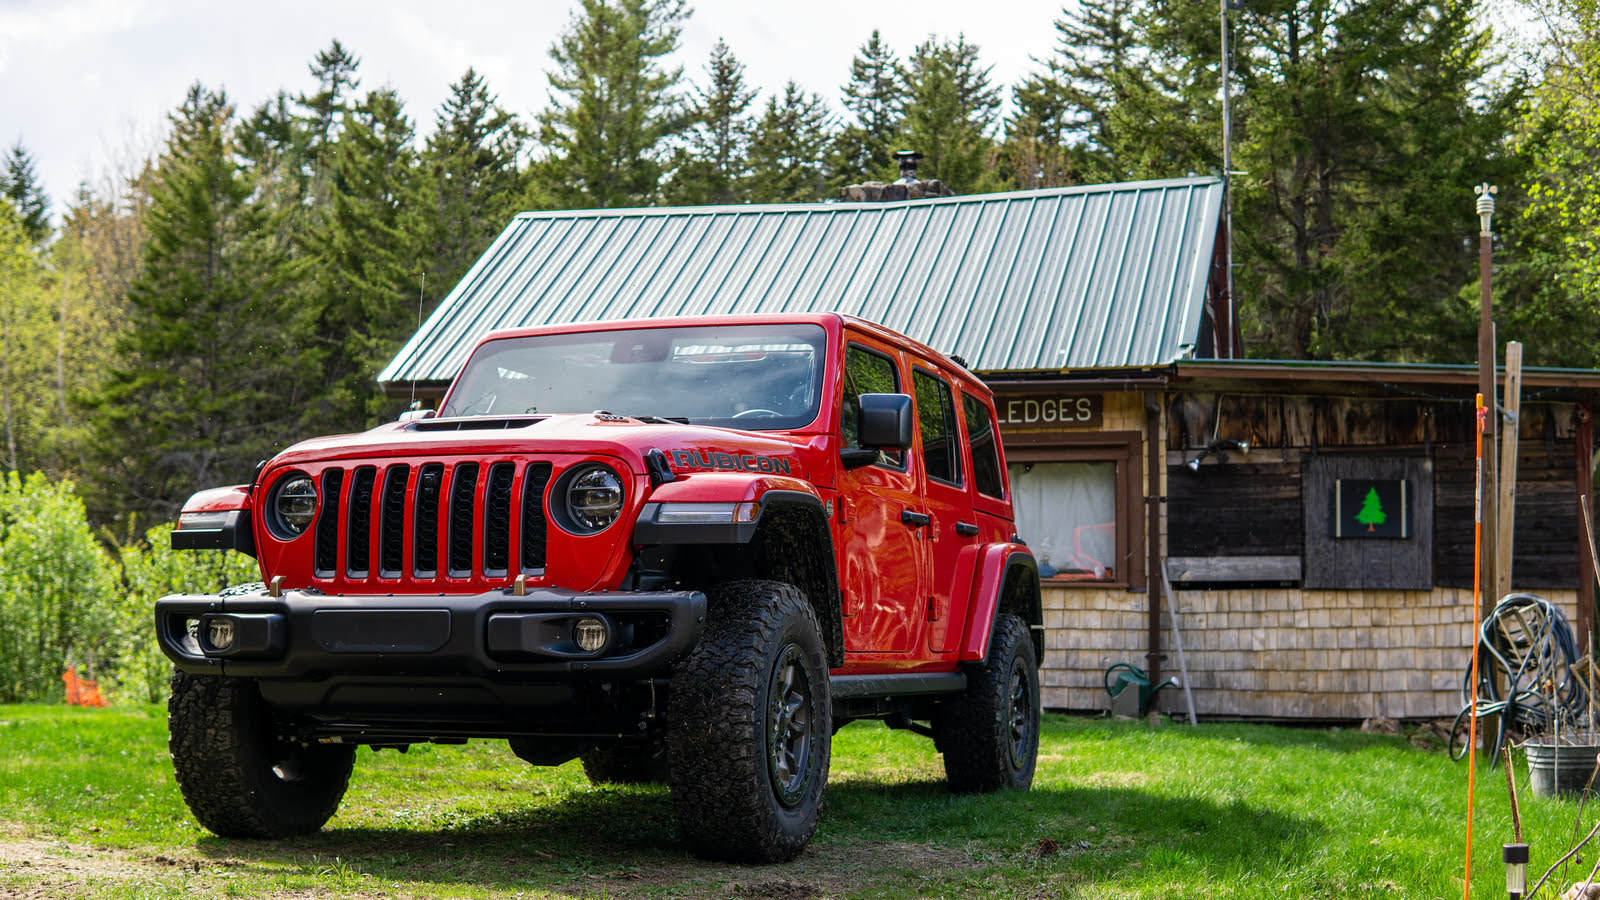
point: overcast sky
(82, 80)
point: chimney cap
(908, 165)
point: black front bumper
(494, 636)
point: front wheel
(990, 735)
(749, 726)
(239, 778)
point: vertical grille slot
(392, 525)
(327, 562)
(463, 499)
(497, 520)
(425, 546)
(534, 482)
(358, 540)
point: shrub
(57, 588)
(152, 569)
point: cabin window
(1076, 501)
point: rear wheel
(237, 776)
(750, 733)
(990, 735)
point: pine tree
(19, 183)
(471, 174)
(1547, 274)
(324, 111)
(200, 390)
(786, 156)
(1062, 132)
(873, 98)
(614, 105)
(713, 166)
(949, 113)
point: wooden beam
(1234, 568)
(1506, 505)
(1583, 419)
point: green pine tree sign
(1372, 514)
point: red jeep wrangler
(681, 549)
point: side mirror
(885, 421)
(412, 415)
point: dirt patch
(821, 872)
(56, 868)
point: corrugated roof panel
(1101, 275)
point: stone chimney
(908, 187)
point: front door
(883, 561)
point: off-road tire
(990, 735)
(749, 726)
(627, 765)
(236, 777)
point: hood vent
(475, 423)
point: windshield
(757, 377)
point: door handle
(915, 519)
(966, 529)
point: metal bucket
(1564, 767)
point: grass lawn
(88, 807)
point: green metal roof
(1093, 276)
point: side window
(985, 451)
(936, 419)
(867, 372)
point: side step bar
(845, 687)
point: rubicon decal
(707, 459)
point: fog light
(220, 633)
(590, 633)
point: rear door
(951, 532)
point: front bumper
(493, 636)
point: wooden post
(1155, 467)
(1506, 506)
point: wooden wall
(1274, 652)
(1269, 647)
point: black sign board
(1368, 508)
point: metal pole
(1486, 384)
(1227, 178)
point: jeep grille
(397, 520)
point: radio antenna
(422, 289)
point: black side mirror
(884, 423)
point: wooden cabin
(1097, 313)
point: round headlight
(295, 503)
(594, 498)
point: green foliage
(198, 386)
(25, 335)
(713, 166)
(787, 151)
(614, 106)
(364, 265)
(151, 569)
(1547, 286)
(469, 171)
(873, 97)
(56, 588)
(19, 183)
(950, 110)
(1068, 125)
